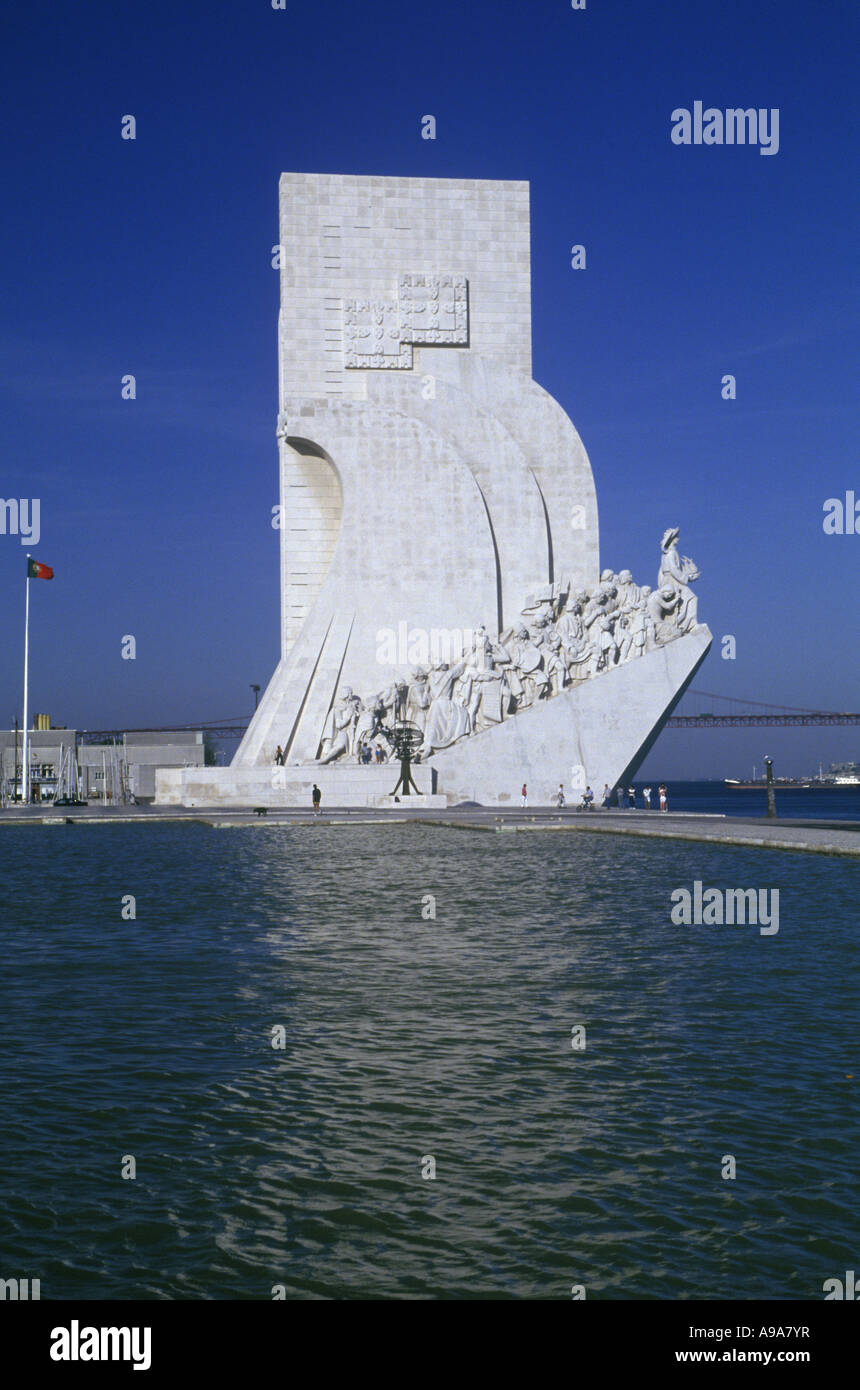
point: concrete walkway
(818, 837)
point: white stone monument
(439, 541)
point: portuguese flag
(35, 570)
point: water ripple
(408, 1039)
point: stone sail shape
(426, 479)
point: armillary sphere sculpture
(405, 740)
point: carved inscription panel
(430, 310)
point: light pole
(256, 690)
(771, 798)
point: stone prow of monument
(437, 505)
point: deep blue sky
(153, 257)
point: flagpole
(25, 769)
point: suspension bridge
(700, 709)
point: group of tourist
(626, 799)
(367, 753)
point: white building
(114, 771)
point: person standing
(622, 800)
(279, 756)
(664, 797)
(524, 796)
(559, 796)
(317, 798)
(646, 797)
(607, 796)
(631, 792)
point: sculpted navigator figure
(663, 608)
(639, 628)
(370, 719)
(447, 720)
(678, 572)
(418, 697)
(553, 660)
(488, 693)
(608, 647)
(529, 681)
(337, 738)
(629, 593)
(394, 700)
(577, 649)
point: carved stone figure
(678, 572)
(629, 593)
(664, 605)
(571, 628)
(490, 699)
(393, 700)
(370, 719)
(539, 607)
(338, 735)
(527, 662)
(418, 697)
(482, 649)
(639, 629)
(447, 719)
(597, 605)
(554, 663)
(608, 647)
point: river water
(411, 1038)
(814, 803)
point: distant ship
(783, 783)
(837, 778)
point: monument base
(412, 802)
(596, 733)
(349, 785)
